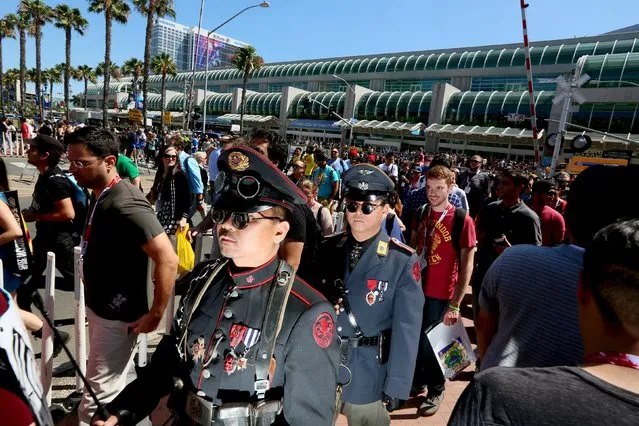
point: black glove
(392, 404)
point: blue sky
(306, 29)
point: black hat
(365, 182)
(247, 182)
(46, 143)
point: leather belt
(359, 341)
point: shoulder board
(304, 292)
(402, 245)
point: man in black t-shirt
(52, 211)
(475, 183)
(121, 234)
(605, 390)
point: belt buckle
(354, 341)
(261, 386)
(198, 409)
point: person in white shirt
(390, 168)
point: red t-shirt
(440, 277)
(25, 131)
(553, 226)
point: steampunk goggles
(239, 220)
(247, 187)
(367, 208)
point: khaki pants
(373, 414)
(111, 351)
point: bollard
(143, 340)
(170, 307)
(199, 243)
(46, 362)
(1, 274)
(80, 319)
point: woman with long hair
(170, 192)
(322, 214)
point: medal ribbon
(614, 358)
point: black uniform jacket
(211, 350)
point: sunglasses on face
(170, 157)
(367, 208)
(239, 220)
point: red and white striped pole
(531, 91)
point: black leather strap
(273, 317)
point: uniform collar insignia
(382, 248)
(254, 277)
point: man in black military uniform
(377, 282)
(224, 361)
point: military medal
(382, 286)
(241, 363)
(197, 349)
(230, 364)
(370, 298)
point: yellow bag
(186, 257)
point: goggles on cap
(239, 220)
(247, 187)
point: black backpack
(458, 226)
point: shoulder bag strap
(273, 317)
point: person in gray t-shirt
(528, 313)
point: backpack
(318, 222)
(458, 226)
(80, 201)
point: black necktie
(354, 255)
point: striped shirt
(534, 291)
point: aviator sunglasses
(367, 208)
(239, 220)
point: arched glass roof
(219, 103)
(303, 107)
(176, 103)
(394, 106)
(492, 108)
(612, 70)
(154, 102)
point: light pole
(334, 113)
(264, 4)
(352, 135)
(615, 81)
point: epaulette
(401, 245)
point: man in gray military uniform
(250, 345)
(377, 283)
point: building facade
(452, 99)
(185, 46)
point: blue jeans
(427, 371)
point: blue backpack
(80, 201)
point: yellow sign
(579, 164)
(135, 115)
(167, 117)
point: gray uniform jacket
(384, 292)
(217, 354)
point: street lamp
(615, 81)
(352, 141)
(334, 113)
(264, 4)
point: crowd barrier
(46, 360)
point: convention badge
(382, 248)
(467, 189)
(370, 298)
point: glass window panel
(431, 61)
(566, 53)
(478, 59)
(505, 58)
(381, 65)
(369, 113)
(339, 69)
(347, 67)
(332, 67)
(361, 105)
(324, 69)
(372, 64)
(492, 58)
(364, 65)
(421, 62)
(493, 115)
(391, 106)
(623, 46)
(401, 63)
(413, 106)
(601, 115)
(452, 107)
(478, 109)
(423, 110)
(583, 49)
(380, 106)
(622, 118)
(453, 59)
(604, 47)
(410, 63)
(611, 72)
(402, 106)
(355, 66)
(550, 55)
(442, 59)
(631, 71)
(535, 55)
(390, 66)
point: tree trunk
(147, 57)
(51, 98)
(23, 69)
(107, 64)
(86, 87)
(244, 84)
(67, 71)
(163, 95)
(1, 82)
(38, 41)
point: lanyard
(614, 358)
(428, 235)
(87, 228)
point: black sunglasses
(239, 220)
(247, 187)
(170, 156)
(367, 208)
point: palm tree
(50, 77)
(112, 9)
(248, 61)
(77, 99)
(10, 77)
(133, 67)
(151, 9)
(164, 65)
(115, 70)
(85, 73)
(39, 14)
(23, 25)
(7, 30)
(69, 20)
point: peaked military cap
(247, 182)
(365, 182)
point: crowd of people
(298, 317)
